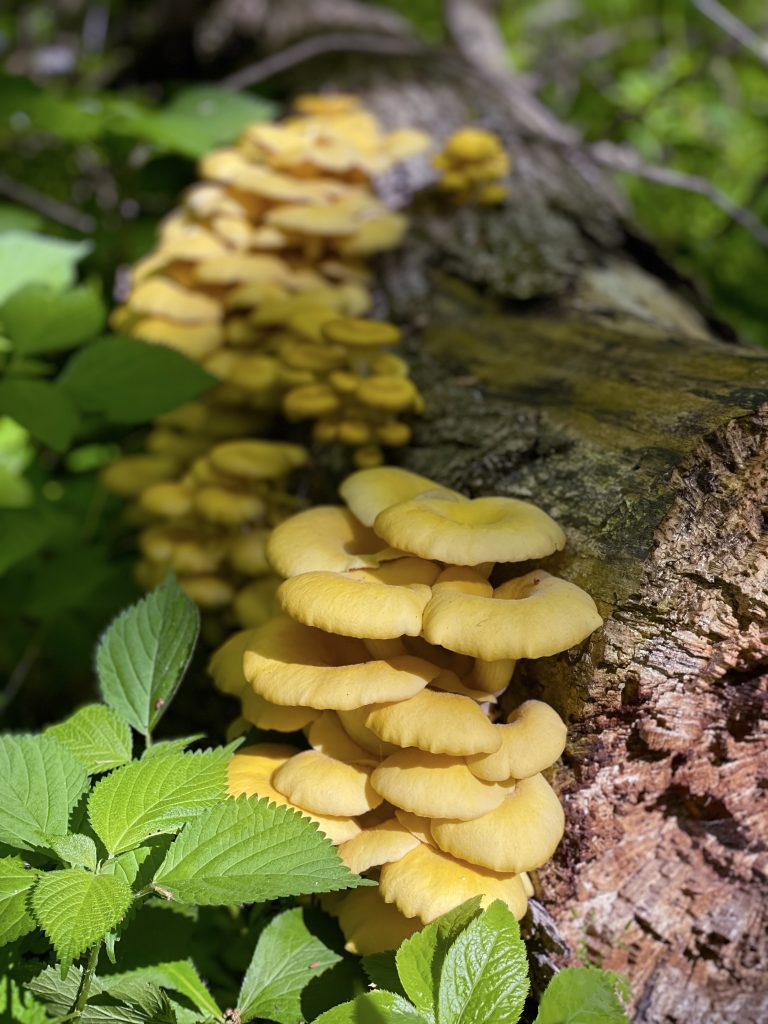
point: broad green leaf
(485, 972)
(19, 1006)
(137, 867)
(142, 657)
(76, 908)
(28, 258)
(381, 970)
(149, 798)
(165, 747)
(287, 957)
(181, 976)
(99, 738)
(582, 995)
(19, 218)
(42, 407)
(15, 883)
(60, 992)
(42, 110)
(40, 782)
(76, 849)
(129, 381)
(247, 851)
(376, 1008)
(37, 318)
(21, 534)
(111, 1001)
(420, 958)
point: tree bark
(563, 361)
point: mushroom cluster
(473, 165)
(390, 653)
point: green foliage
(31, 259)
(16, 882)
(583, 995)
(98, 737)
(37, 318)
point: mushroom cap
(239, 268)
(210, 592)
(353, 723)
(129, 475)
(387, 392)
(258, 460)
(326, 103)
(318, 783)
(520, 834)
(263, 715)
(471, 531)
(434, 785)
(531, 616)
(385, 842)
(532, 741)
(377, 234)
(247, 553)
(492, 676)
(462, 579)
(362, 603)
(309, 401)
(354, 332)
(370, 925)
(417, 825)
(226, 664)
(369, 491)
(426, 883)
(170, 499)
(250, 771)
(328, 735)
(194, 340)
(324, 538)
(228, 507)
(159, 296)
(292, 664)
(469, 144)
(440, 723)
(334, 220)
(256, 602)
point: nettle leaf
(129, 381)
(43, 408)
(99, 738)
(582, 995)
(485, 972)
(375, 1008)
(76, 849)
(142, 657)
(248, 851)
(180, 976)
(420, 958)
(149, 798)
(15, 882)
(27, 258)
(37, 318)
(287, 957)
(111, 1000)
(381, 970)
(76, 908)
(41, 782)
(164, 747)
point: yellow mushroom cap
(226, 664)
(385, 842)
(256, 602)
(228, 507)
(328, 735)
(247, 553)
(532, 741)
(359, 333)
(239, 268)
(353, 723)
(211, 592)
(370, 925)
(326, 103)
(193, 340)
(309, 401)
(379, 233)
(471, 531)
(291, 664)
(472, 144)
(250, 771)
(258, 460)
(531, 616)
(321, 784)
(441, 723)
(130, 475)
(369, 491)
(158, 296)
(418, 826)
(333, 220)
(387, 392)
(426, 883)
(520, 834)
(263, 715)
(361, 603)
(434, 785)
(169, 499)
(324, 538)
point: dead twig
(53, 209)
(727, 22)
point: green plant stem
(85, 983)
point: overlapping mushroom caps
(260, 275)
(390, 651)
(473, 165)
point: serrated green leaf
(111, 1000)
(98, 737)
(76, 909)
(420, 958)
(76, 849)
(381, 971)
(27, 258)
(375, 1008)
(37, 318)
(247, 851)
(155, 797)
(40, 782)
(43, 408)
(128, 381)
(287, 957)
(180, 976)
(58, 992)
(15, 882)
(485, 972)
(164, 747)
(582, 995)
(142, 657)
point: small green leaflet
(287, 957)
(15, 883)
(43, 408)
(99, 738)
(149, 798)
(76, 849)
(38, 318)
(28, 258)
(179, 976)
(376, 1008)
(41, 782)
(248, 851)
(484, 976)
(112, 1000)
(144, 654)
(129, 381)
(76, 908)
(582, 995)
(164, 747)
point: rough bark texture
(562, 360)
